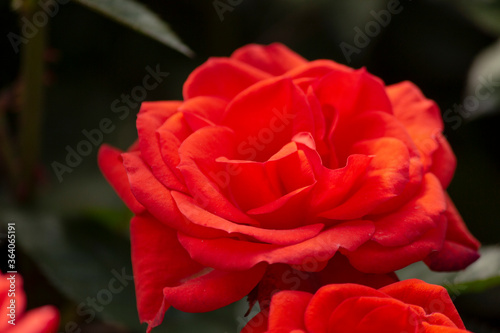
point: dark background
(92, 61)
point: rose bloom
(271, 159)
(40, 320)
(410, 306)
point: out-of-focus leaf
(479, 285)
(481, 275)
(353, 14)
(114, 219)
(484, 13)
(136, 16)
(358, 24)
(84, 260)
(95, 200)
(225, 320)
(483, 83)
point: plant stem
(30, 121)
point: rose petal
(254, 184)
(287, 310)
(169, 146)
(415, 218)
(422, 119)
(208, 107)
(5, 299)
(151, 117)
(371, 314)
(233, 76)
(317, 69)
(352, 93)
(444, 161)
(274, 191)
(285, 212)
(326, 194)
(339, 270)
(370, 125)
(213, 290)
(177, 124)
(232, 254)
(249, 184)
(275, 59)
(460, 247)
(40, 320)
(385, 178)
(158, 261)
(111, 165)
(266, 116)
(291, 167)
(320, 118)
(372, 257)
(439, 319)
(451, 257)
(441, 329)
(158, 199)
(197, 215)
(419, 114)
(411, 188)
(312, 275)
(330, 297)
(204, 177)
(431, 298)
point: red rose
(12, 305)
(410, 306)
(271, 159)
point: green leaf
(485, 14)
(355, 14)
(479, 285)
(478, 277)
(84, 260)
(138, 17)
